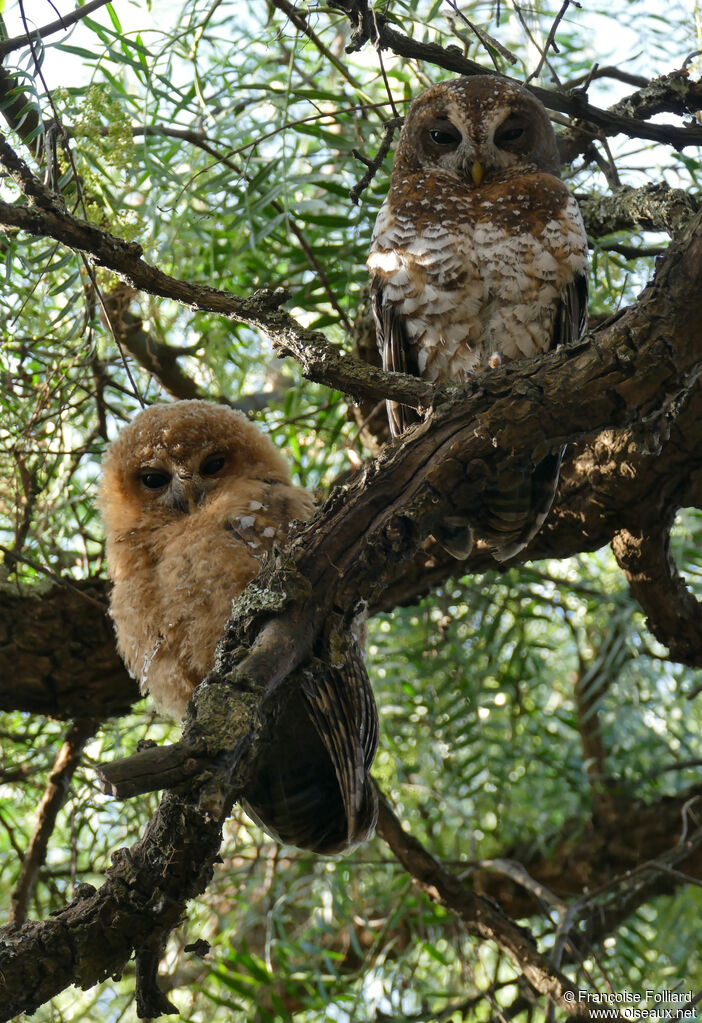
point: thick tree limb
(58, 654)
(672, 93)
(654, 207)
(94, 936)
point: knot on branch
(269, 299)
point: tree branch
(161, 360)
(655, 207)
(674, 615)
(60, 25)
(672, 93)
(45, 217)
(590, 871)
(480, 916)
(59, 780)
(58, 654)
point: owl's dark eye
(444, 136)
(212, 465)
(510, 131)
(154, 479)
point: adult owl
(478, 257)
(193, 498)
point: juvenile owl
(479, 256)
(193, 497)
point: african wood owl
(193, 498)
(478, 257)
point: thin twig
(374, 165)
(544, 59)
(551, 39)
(608, 71)
(58, 579)
(488, 41)
(302, 25)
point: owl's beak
(195, 495)
(178, 496)
(477, 172)
(185, 496)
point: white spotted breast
(476, 272)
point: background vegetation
(522, 714)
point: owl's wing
(511, 517)
(342, 706)
(395, 352)
(571, 314)
(312, 787)
(391, 236)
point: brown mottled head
(171, 459)
(480, 128)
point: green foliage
(224, 141)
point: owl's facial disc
(507, 139)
